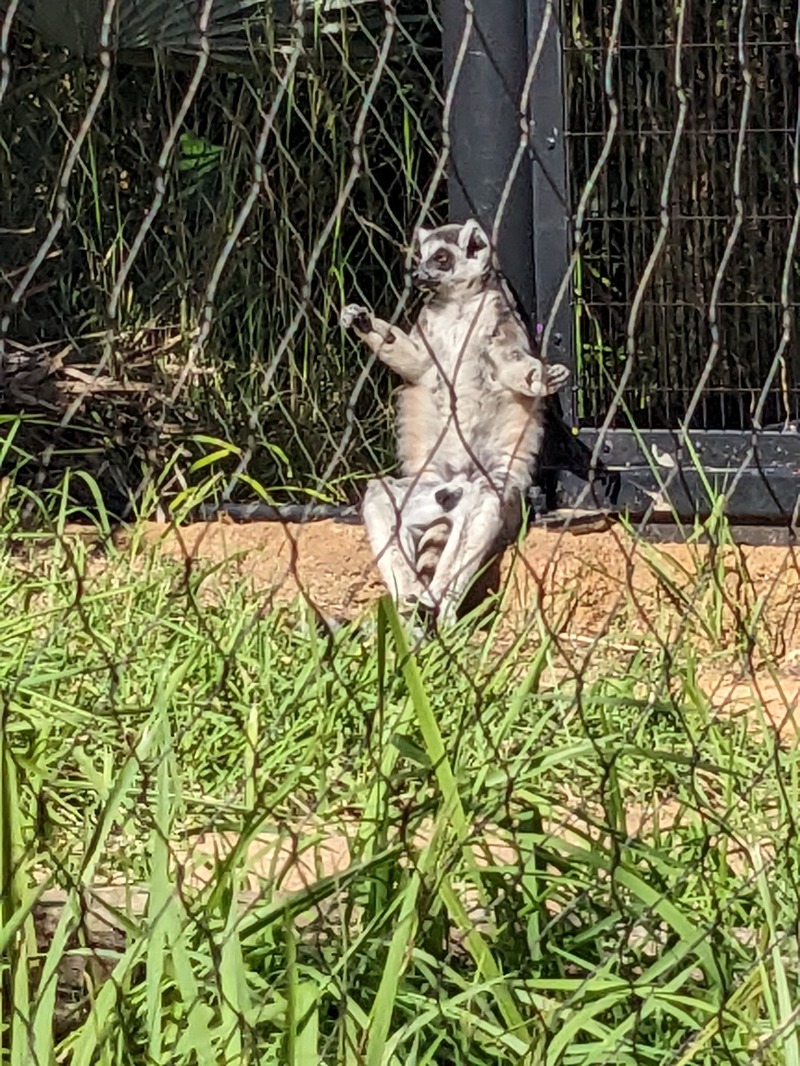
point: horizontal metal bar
(651, 471)
(291, 513)
(654, 301)
(756, 535)
(782, 43)
(726, 449)
(684, 218)
(701, 134)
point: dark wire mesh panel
(697, 112)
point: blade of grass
(453, 813)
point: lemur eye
(443, 258)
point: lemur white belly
(457, 420)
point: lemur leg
(386, 510)
(477, 526)
(398, 513)
(391, 345)
(529, 376)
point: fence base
(653, 475)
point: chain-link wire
(247, 814)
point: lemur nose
(448, 498)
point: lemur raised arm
(469, 423)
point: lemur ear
(423, 234)
(472, 239)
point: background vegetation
(155, 358)
(347, 167)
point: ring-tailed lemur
(469, 422)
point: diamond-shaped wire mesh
(247, 815)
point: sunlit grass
(591, 870)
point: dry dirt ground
(597, 591)
(599, 573)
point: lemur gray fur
(469, 422)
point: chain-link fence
(184, 225)
(246, 816)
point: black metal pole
(484, 126)
(486, 63)
(550, 179)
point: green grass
(144, 703)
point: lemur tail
(430, 547)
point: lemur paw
(356, 316)
(544, 380)
(557, 376)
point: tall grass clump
(215, 320)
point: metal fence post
(484, 127)
(550, 181)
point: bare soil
(597, 592)
(331, 565)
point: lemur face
(453, 258)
